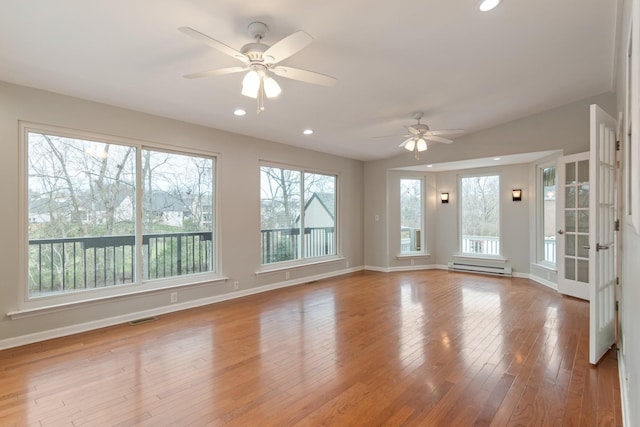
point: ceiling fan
(419, 133)
(260, 61)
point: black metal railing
(59, 265)
(283, 244)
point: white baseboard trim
(624, 392)
(116, 320)
(537, 279)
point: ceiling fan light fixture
(410, 145)
(271, 87)
(421, 145)
(251, 84)
(487, 5)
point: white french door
(573, 255)
(602, 241)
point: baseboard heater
(484, 266)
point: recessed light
(496, 158)
(429, 166)
(487, 5)
(307, 131)
(239, 112)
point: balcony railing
(482, 245)
(283, 244)
(65, 264)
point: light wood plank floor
(430, 348)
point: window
(103, 214)
(298, 214)
(547, 183)
(410, 215)
(480, 215)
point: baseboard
(116, 320)
(624, 392)
(537, 279)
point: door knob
(560, 232)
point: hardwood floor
(430, 348)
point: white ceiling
(463, 68)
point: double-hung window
(547, 213)
(480, 215)
(106, 213)
(298, 214)
(411, 215)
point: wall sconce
(516, 194)
(444, 197)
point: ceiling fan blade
(438, 139)
(413, 130)
(304, 76)
(286, 47)
(444, 132)
(214, 44)
(217, 72)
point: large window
(298, 214)
(103, 214)
(410, 215)
(480, 215)
(547, 185)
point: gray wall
(238, 202)
(564, 128)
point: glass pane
(81, 207)
(480, 214)
(570, 268)
(583, 171)
(583, 240)
(319, 215)
(570, 221)
(583, 270)
(583, 196)
(570, 197)
(177, 214)
(570, 173)
(410, 215)
(583, 221)
(570, 244)
(280, 214)
(549, 214)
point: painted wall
(629, 291)
(565, 128)
(238, 203)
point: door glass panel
(570, 198)
(570, 244)
(583, 240)
(570, 173)
(583, 270)
(583, 171)
(583, 196)
(583, 221)
(570, 221)
(570, 268)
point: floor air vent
(141, 321)
(478, 265)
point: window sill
(547, 266)
(70, 305)
(408, 255)
(275, 268)
(497, 258)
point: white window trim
(461, 254)
(539, 216)
(89, 296)
(423, 241)
(310, 261)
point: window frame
(140, 286)
(302, 261)
(500, 215)
(423, 208)
(539, 209)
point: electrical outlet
(236, 285)
(286, 275)
(413, 261)
(174, 297)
